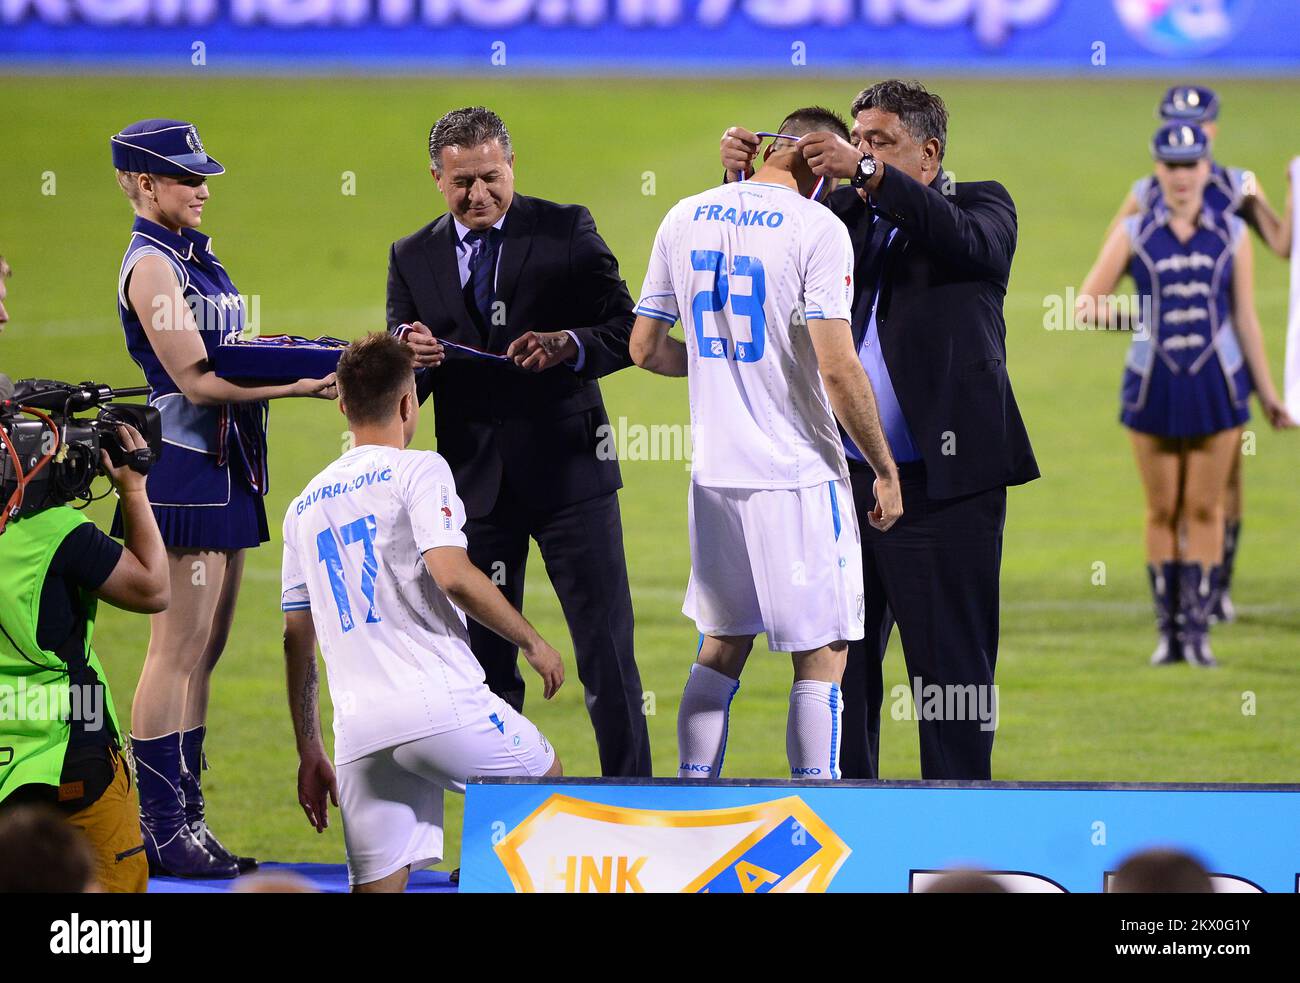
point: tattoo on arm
(310, 687)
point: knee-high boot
(169, 843)
(193, 762)
(1164, 592)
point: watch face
(866, 168)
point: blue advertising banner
(583, 836)
(646, 36)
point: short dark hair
(921, 112)
(41, 852)
(373, 374)
(812, 119)
(964, 881)
(466, 127)
(1161, 871)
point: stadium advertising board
(659, 35)
(659, 836)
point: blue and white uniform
(207, 486)
(413, 715)
(1225, 192)
(775, 545)
(1185, 375)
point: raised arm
(738, 149)
(139, 581)
(159, 303)
(979, 235)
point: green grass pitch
(1078, 700)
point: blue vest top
(219, 313)
(1186, 293)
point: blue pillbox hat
(1190, 104)
(163, 146)
(1180, 143)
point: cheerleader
(1196, 350)
(1237, 192)
(177, 304)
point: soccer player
(765, 277)
(375, 568)
(1232, 191)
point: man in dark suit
(529, 301)
(932, 262)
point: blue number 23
(743, 305)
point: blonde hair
(5, 271)
(129, 182)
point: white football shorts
(391, 799)
(785, 561)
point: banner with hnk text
(581, 836)
(649, 36)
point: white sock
(812, 733)
(702, 722)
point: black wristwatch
(865, 172)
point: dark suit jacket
(941, 327)
(493, 420)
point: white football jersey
(745, 266)
(396, 649)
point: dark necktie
(870, 268)
(480, 288)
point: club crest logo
(192, 140)
(573, 846)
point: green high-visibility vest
(34, 690)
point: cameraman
(54, 566)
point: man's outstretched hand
(428, 350)
(830, 155)
(539, 350)
(739, 148)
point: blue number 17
(327, 552)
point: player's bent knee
(556, 769)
